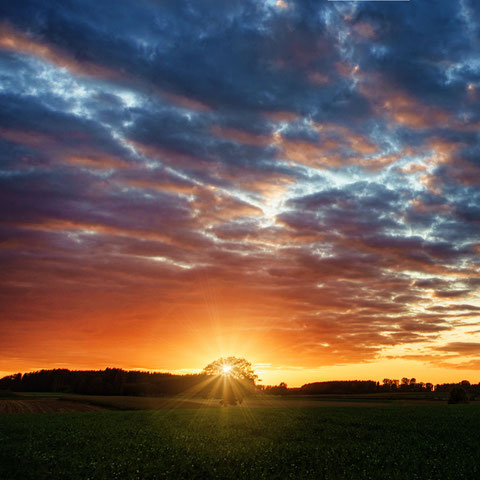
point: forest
(115, 381)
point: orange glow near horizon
(296, 376)
(269, 361)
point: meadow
(326, 442)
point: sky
(293, 182)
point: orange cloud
(97, 162)
(31, 138)
(365, 30)
(217, 207)
(282, 4)
(398, 106)
(269, 186)
(185, 102)
(11, 39)
(333, 148)
(280, 116)
(58, 225)
(318, 78)
(423, 207)
(412, 168)
(241, 136)
(310, 154)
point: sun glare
(226, 369)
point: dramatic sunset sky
(296, 183)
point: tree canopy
(231, 366)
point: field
(361, 442)
(58, 401)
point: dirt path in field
(43, 405)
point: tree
(231, 367)
(232, 379)
(458, 395)
(280, 389)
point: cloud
(306, 171)
(463, 348)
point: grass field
(390, 442)
(83, 403)
(62, 402)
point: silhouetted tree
(458, 395)
(339, 387)
(112, 381)
(234, 378)
(219, 379)
(280, 389)
(232, 367)
(389, 385)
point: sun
(226, 369)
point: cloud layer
(300, 175)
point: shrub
(458, 395)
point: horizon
(258, 381)
(291, 182)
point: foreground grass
(405, 442)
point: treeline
(405, 385)
(411, 385)
(369, 386)
(318, 388)
(472, 389)
(345, 387)
(115, 381)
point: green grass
(398, 397)
(394, 442)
